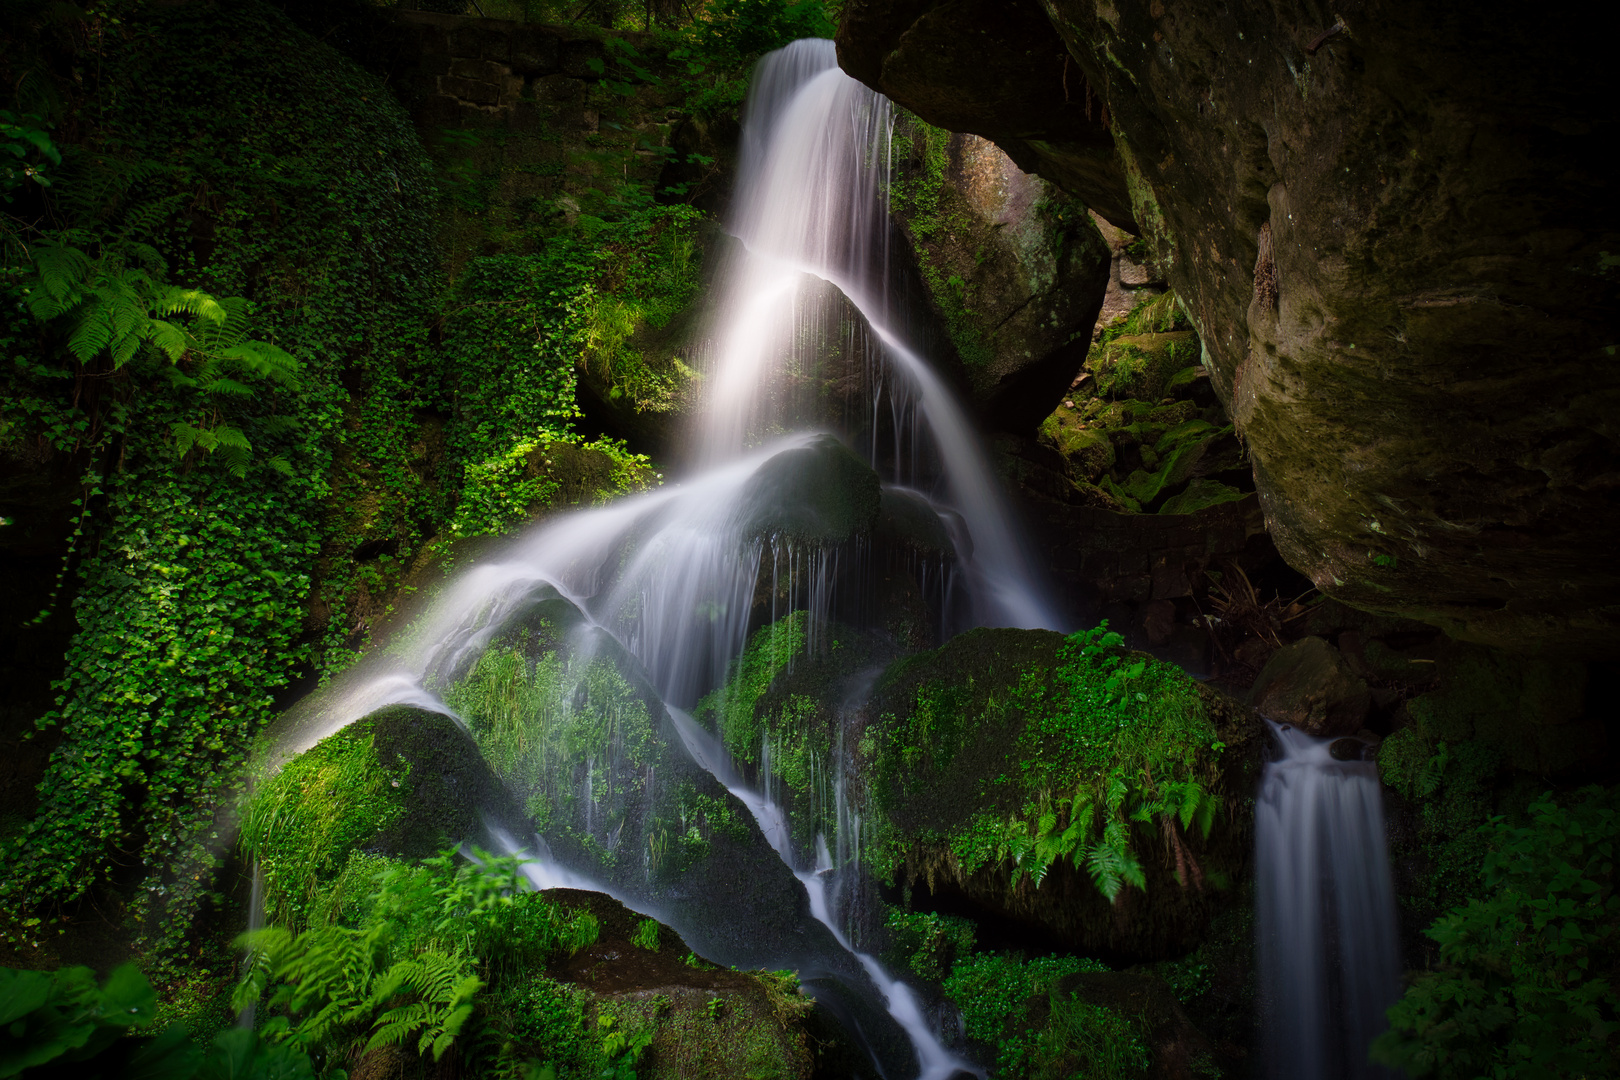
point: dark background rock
(1015, 270)
(993, 68)
(1419, 364)
(1309, 685)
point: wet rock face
(1015, 269)
(1391, 242)
(993, 68)
(1309, 685)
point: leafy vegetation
(1526, 984)
(929, 943)
(62, 1023)
(993, 992)
(729, 709)
(1089, 746)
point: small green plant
(62, 1023)
(646, 935)
(929, 943)
(1129, 740)
(1526, 986)
(1084, 1039)
(992, 990)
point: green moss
(555, 727)
(918, 192)
(303, 823)
(729, 709)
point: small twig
(1310, 50)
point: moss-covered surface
(1014, 268)
(702, 1020)
(1004, 763)
(401, 782)
(821, 493)
(569, 721)
(1140, 431)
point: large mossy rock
(704, 1020)
(1389, 229)
(965, 752)
(403, 782)
(820, 493)
(1014, 269)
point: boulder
(949, 754)
(821, 493)
(1309, 685)
(1014, 269)
(1390, 231)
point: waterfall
(1329, 963)
(674, 575)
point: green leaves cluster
(1526, 986)
(403, 965)
(1113, 742)
(992, 991)
(62, 1024)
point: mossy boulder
(967, 750)
(703, 1020)
(402, 782)
(1310, 685)
(908, 520)
(1014, 269)
(820, 493)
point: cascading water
(670, 583)
(1325, 909)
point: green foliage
(247, 169)
(505, 491)
(28, 146)
(992, 990)
(406, 970)
(646, 935)
(729, 709)
(1093, 1041)
(303, 822)
(929, 943)
(1526, 986)
(1111, 742)
(62, 1024)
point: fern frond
(170, 338)
(61, 270)
(93, 333)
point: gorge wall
(1385, 225)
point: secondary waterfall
(665, 587)
(1329, 962)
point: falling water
(810, 209)
(820, 881)
(1329, 959)
(674, 575)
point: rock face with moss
(1013, 768)
(1014, 269)
(1397, 258)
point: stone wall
(526, 124)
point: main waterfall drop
(574, 657)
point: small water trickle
(1325, 912)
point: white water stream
(673, 575)
(1329, 957)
